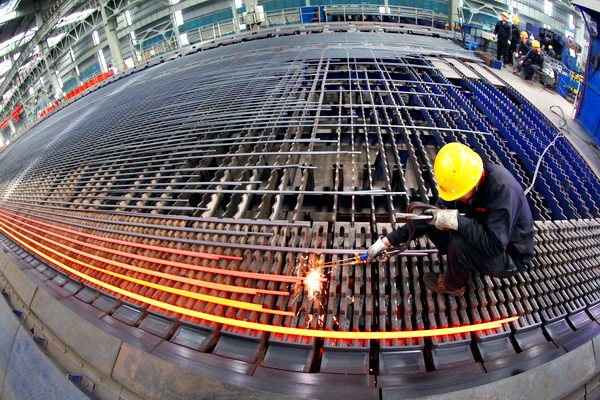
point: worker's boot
(436, 283)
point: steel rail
(202, 297)
(265, 327)
(134, 224)
(197, 169)
(183, 217)
(220, 271)
(132, 206)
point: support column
(45, 54)
(52, 77)
(110, 29)
(580, 39)
(76, 74)
(11, 126)
(176, 31)
(307, 3)
(236, 21)
(452, 13)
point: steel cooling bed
(187, 201)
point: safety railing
(314, 14)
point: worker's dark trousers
(463, 258)
(502, 48)
(529, 71)
(511, 51)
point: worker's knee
(458, 244)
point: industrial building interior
(188, 188)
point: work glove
(443, 219)
(375, 249)
(509, 42)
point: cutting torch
(385, 254)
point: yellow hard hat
(535, 43)
(504, 14)
(516, 19)
(457, 170)
(523, 35)
(550, 47)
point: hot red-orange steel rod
(240, 274)
(271, 328)
(209, 256)
(196, 282)
(202, 297)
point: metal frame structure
(310, 145)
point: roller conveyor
(204, 189)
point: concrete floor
(543, 99)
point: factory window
(184, 39)
(95, 38)
(548, 7)
(571, 21)
(102, 61)
(128, 17)
(178, 17)
(238, 4)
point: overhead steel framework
(191, 199)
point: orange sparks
(313, 282)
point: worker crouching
(533, 61)
(489, 229)
(521, 51)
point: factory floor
(543, 99)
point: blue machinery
(588, 115)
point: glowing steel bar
(209, 256)
(195, 282)
(240, 274)
(206, 298)
(272, 328)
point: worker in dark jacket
(521, 51)
(551, 53)
(502, 33)
(533, 61)
(523, 47)
(514, 38)
(490, 229)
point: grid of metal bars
(275, 159)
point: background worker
(533, 61)
(502, 32)
(551, 53)
(493, 237)
(514, 39)
(521, 51)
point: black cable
(563, 127)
